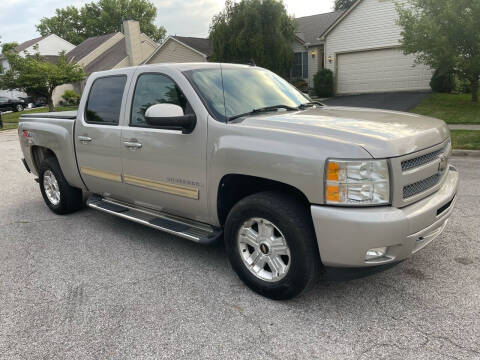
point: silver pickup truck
(205, 151)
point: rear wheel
(271, 245)
(19, 107)
(59, 196)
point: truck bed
(54, 131)
(68, 115)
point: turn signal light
(332, 174)
(333, 193)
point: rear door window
(105, 100)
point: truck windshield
(229, 92)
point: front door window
(154, 89)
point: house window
(300, 65)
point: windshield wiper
(263, 109)
(310, 104)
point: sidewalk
(463, 127)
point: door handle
(84, 139)
(133, 145)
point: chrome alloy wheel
(50, 185)
(263, 249)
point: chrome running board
(187, 229)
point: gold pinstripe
(185, 191)
(107, 175)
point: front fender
(282, 156)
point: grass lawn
(466, 139)
(452, 108)
(10, 120)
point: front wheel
(59, 196)
(271, 245)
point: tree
(258, 30)
(100, 18)
(6, 47)
(343, 4)
(444, 34)
(38, 77)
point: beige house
(363, 51)
(121, 49)
(181, 49)
(362, 48)
(308, 47)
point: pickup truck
(208, 151)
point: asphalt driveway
(399, 101)
(90, 285)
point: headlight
(357, 182)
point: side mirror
(171, 117)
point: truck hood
(380, 132)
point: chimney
(131, 30)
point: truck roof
(177, 66)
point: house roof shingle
(28, 43)
(87, 46)
(310, 28)
(109, 58)
(51, 58)
(200, 44)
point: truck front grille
(418, 175)
(421, 186)
(422, 160)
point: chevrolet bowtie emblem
(442, 166)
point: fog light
(375, 253)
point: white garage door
(380, 71)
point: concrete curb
(469, 153)
(473, 127)
(9, 131)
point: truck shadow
(215, 255)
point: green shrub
(70, 98)
(443, 81)
(300, 84)
(463, 86)
(323, 83)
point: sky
(185, 18)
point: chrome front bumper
(344, 235)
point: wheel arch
(234, 187)
(40, 153)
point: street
(90, 285)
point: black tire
(293, 219)
(18, 108)
(70, 197)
